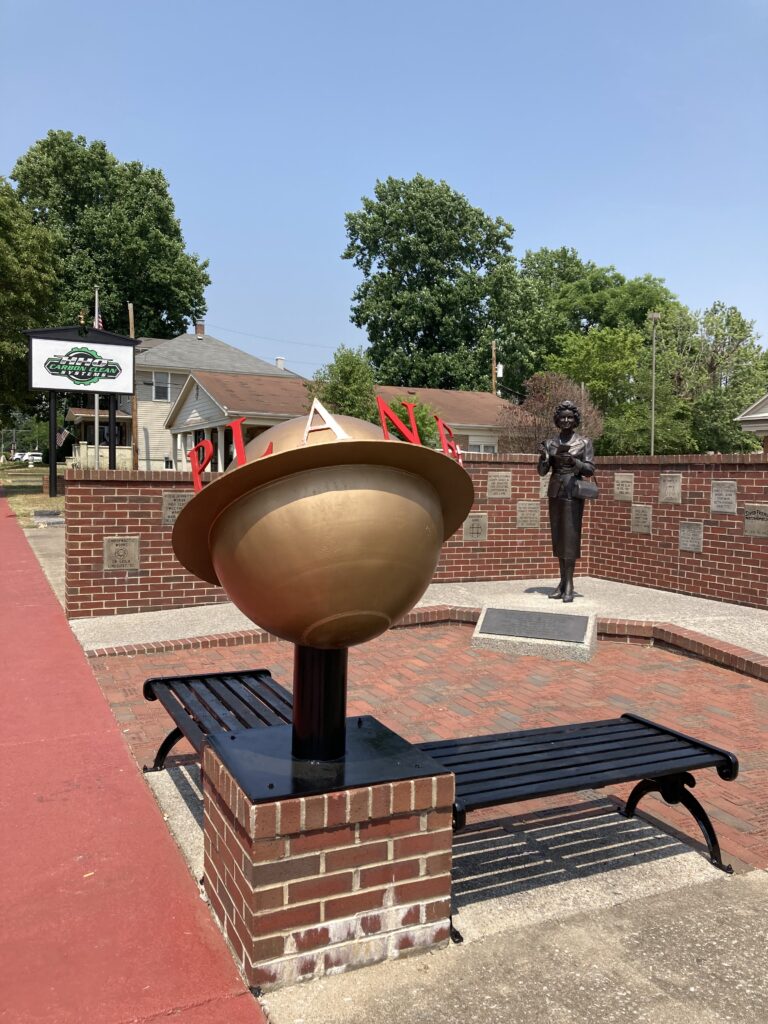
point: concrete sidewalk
(100, 921)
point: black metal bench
(490, 770)
(531, 763)
(217, 702)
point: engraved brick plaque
(173, 503)
(691, 537)
(671, 488)
(121, 553)
(476, 527)
(543, 486)
(499, 485)
(624, 487)
(528, 515)
(641, 519)
(723, 496)
(756, 520)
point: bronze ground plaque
(536, 625)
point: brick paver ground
(428, 683)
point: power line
(267, 337)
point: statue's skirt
(565, 515)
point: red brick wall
(100, 504)
(731, 566)
(317, 885)
(509, 552)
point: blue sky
(637, 133)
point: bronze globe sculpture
(325, 536)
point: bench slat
(524, 787)
(277, 702)
(579, 742)
(273, 702)
(198, 710)
(240, 699)
(464, 748)
(180, 716)
(208, 694)
(539, 758)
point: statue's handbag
(585, 487)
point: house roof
(755, 412)
(285, 396)
(246, 394)
(188, 353)
(457, 408)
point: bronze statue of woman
(569, 456)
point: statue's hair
(570, 407)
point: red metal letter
(239, 440)
(385, 413)
(446, 439)
(199, 458)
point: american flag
(61, 437)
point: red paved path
(427, 683)
(100, 921)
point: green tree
(561, 295)
(438, 284)
(346, 385)
(709, 368)
(28, 282)
(725, 372)
(425, 421)
(113, 225)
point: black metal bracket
(673, 789)
(459, 816)
(164, 750)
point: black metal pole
(319, 703)
(52, 479)
(113, 431)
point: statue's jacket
(562, 478)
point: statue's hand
(543, 450)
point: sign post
(76, 360)
(52, 478)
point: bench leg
(164, 750)
(673, 789)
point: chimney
(199, 328)
(280, 362)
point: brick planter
(318, 885)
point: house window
(161, 386)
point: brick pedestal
(317, 885)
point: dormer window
(161, 386)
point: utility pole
(493, 365)
(134, 403)
(96, 395)
(654, 318)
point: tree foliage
(423, 414)
(524, 426)
(346, 385)
(111, 225)
(562, 295)
(437, 286)
(28, 283)
(709, 368)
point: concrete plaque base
(583, 629)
